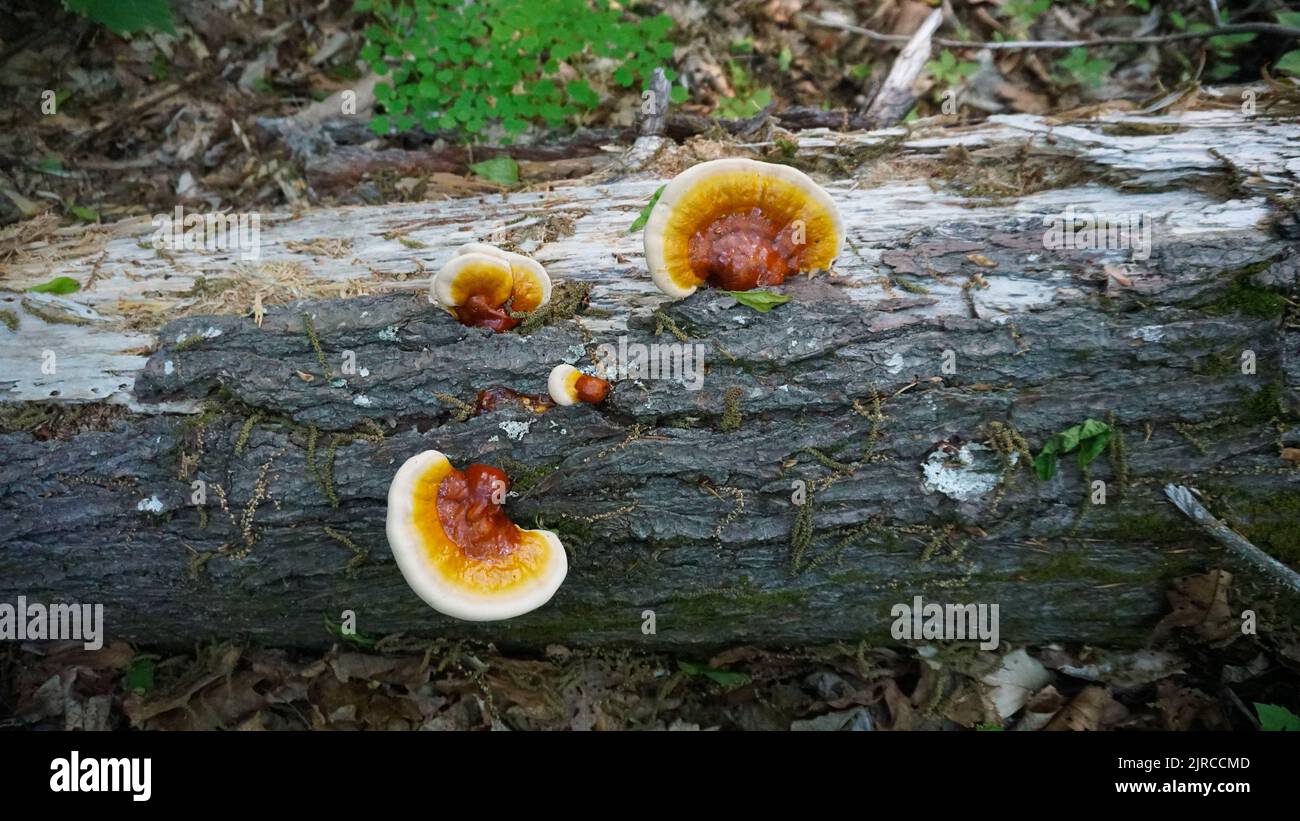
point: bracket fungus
(457, 549)
(739, 224)
(568, 385)
(485, 287)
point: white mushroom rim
(458, 551)
(740, 224)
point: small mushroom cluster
(735, 224)
(486, 287)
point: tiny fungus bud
(457, 549)
(739, 224)
(568, 385)
(482, 286)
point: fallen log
(866, 442)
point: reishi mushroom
(739, 224)
(482, 286)
(568, 385)
(459, 551)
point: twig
(1010, 45)
(1185, 501)
(895, 97)
(654, 121)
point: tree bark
(898, 394)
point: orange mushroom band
(457, 549)
(568, 385)
(739, 224)
(482, 286)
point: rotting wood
(1052, 339)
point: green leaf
(501, 170)
(727, 679)
(83, 213)
(1289, 63)
(1045, 465)
(139, 676)
(1289, 18)
(1275, 718)
(644, 216)
(1092, 447)
(1090, 438)
(761, 301)
(336, 629)
(126, 17)
(58, 285)
(784, 59)
(678, 94)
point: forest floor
(147, 122)
(1198, 671)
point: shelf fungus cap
(567, 385)
(476, 284)
(457, 549)
(739, 224)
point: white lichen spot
(362, 401)
(516, 430)
(894, 364)
(494, 438)
(151, 505)
(573, 353)
(1150, 333)
(169, 368)
(212, 333)
(388, 334)
(969, 474)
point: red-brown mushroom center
(478, 312)
(469, 509)
(743, 250)
(591, 389)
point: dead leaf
(1182, 708)
(1201, 603)
(1019, 675)
(1084, 712)
(855, 720)
(1040, 709)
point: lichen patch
(968, 474)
